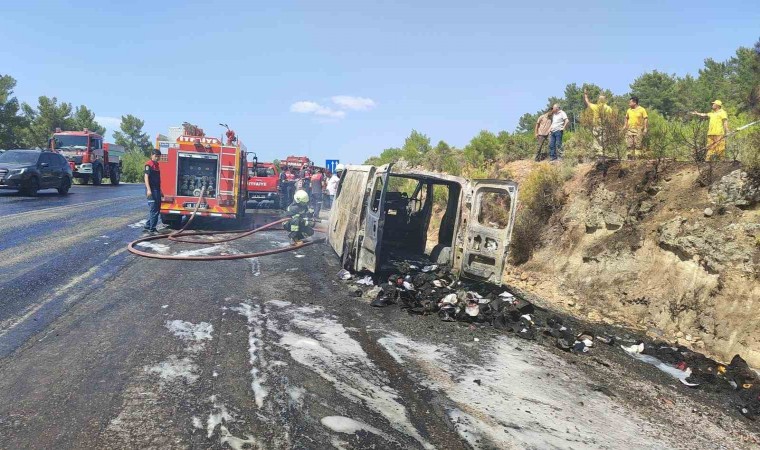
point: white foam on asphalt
(140, 224)
(279, 303)
(322, 344)
(236, 443)
(205, 251)
(514, 403)
(174, 369)
(197, 423)
(296, 394)
(218, 416)
(255, 320)
(346, 425)
(194, 334)
(255, 266)
(158, 248)
(221, 417)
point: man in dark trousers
(316, 191)
(152, 179)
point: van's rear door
(369, 252)
(488, 214)
(347, 211)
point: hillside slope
(660, 252)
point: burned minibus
(386, 215)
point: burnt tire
(63, 189)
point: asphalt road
(103, 349)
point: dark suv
(32, 170)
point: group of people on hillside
(551, 125)
(320, 185)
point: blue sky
(346, 79)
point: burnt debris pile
(432, 289)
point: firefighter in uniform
(152, 180)
(301, 223)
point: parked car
(32, 170)
(383, 217)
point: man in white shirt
(332, 184)
(559, 122)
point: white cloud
(111, 123)
(307, 107)
(354, 103)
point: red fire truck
(89, 157)
(194, 161)
(264, 184)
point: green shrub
(540, 195)
(132, 167)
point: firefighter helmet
(339, 168)
(301, 196)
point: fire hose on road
(181, 236)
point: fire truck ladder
(232, 152)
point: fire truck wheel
(115, 176)
(97, 176)
(84, 179)
(65, 186)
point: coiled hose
(180, 236)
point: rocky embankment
(672, 251)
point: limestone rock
(737, 188)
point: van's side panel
(347, 211)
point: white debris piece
(430, 268)
(450, 299)
(344, 274)
(366, 281)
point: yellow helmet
(301, 196)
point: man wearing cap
(152, 180)
(717, 130)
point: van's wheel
(84, 179)
(115, 176)
(97, 176)
(65, 186)
(32, 186)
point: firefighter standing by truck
(152, 179)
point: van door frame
(470, 256)
(370, 247)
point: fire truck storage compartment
(196, 170)
(412, 232)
